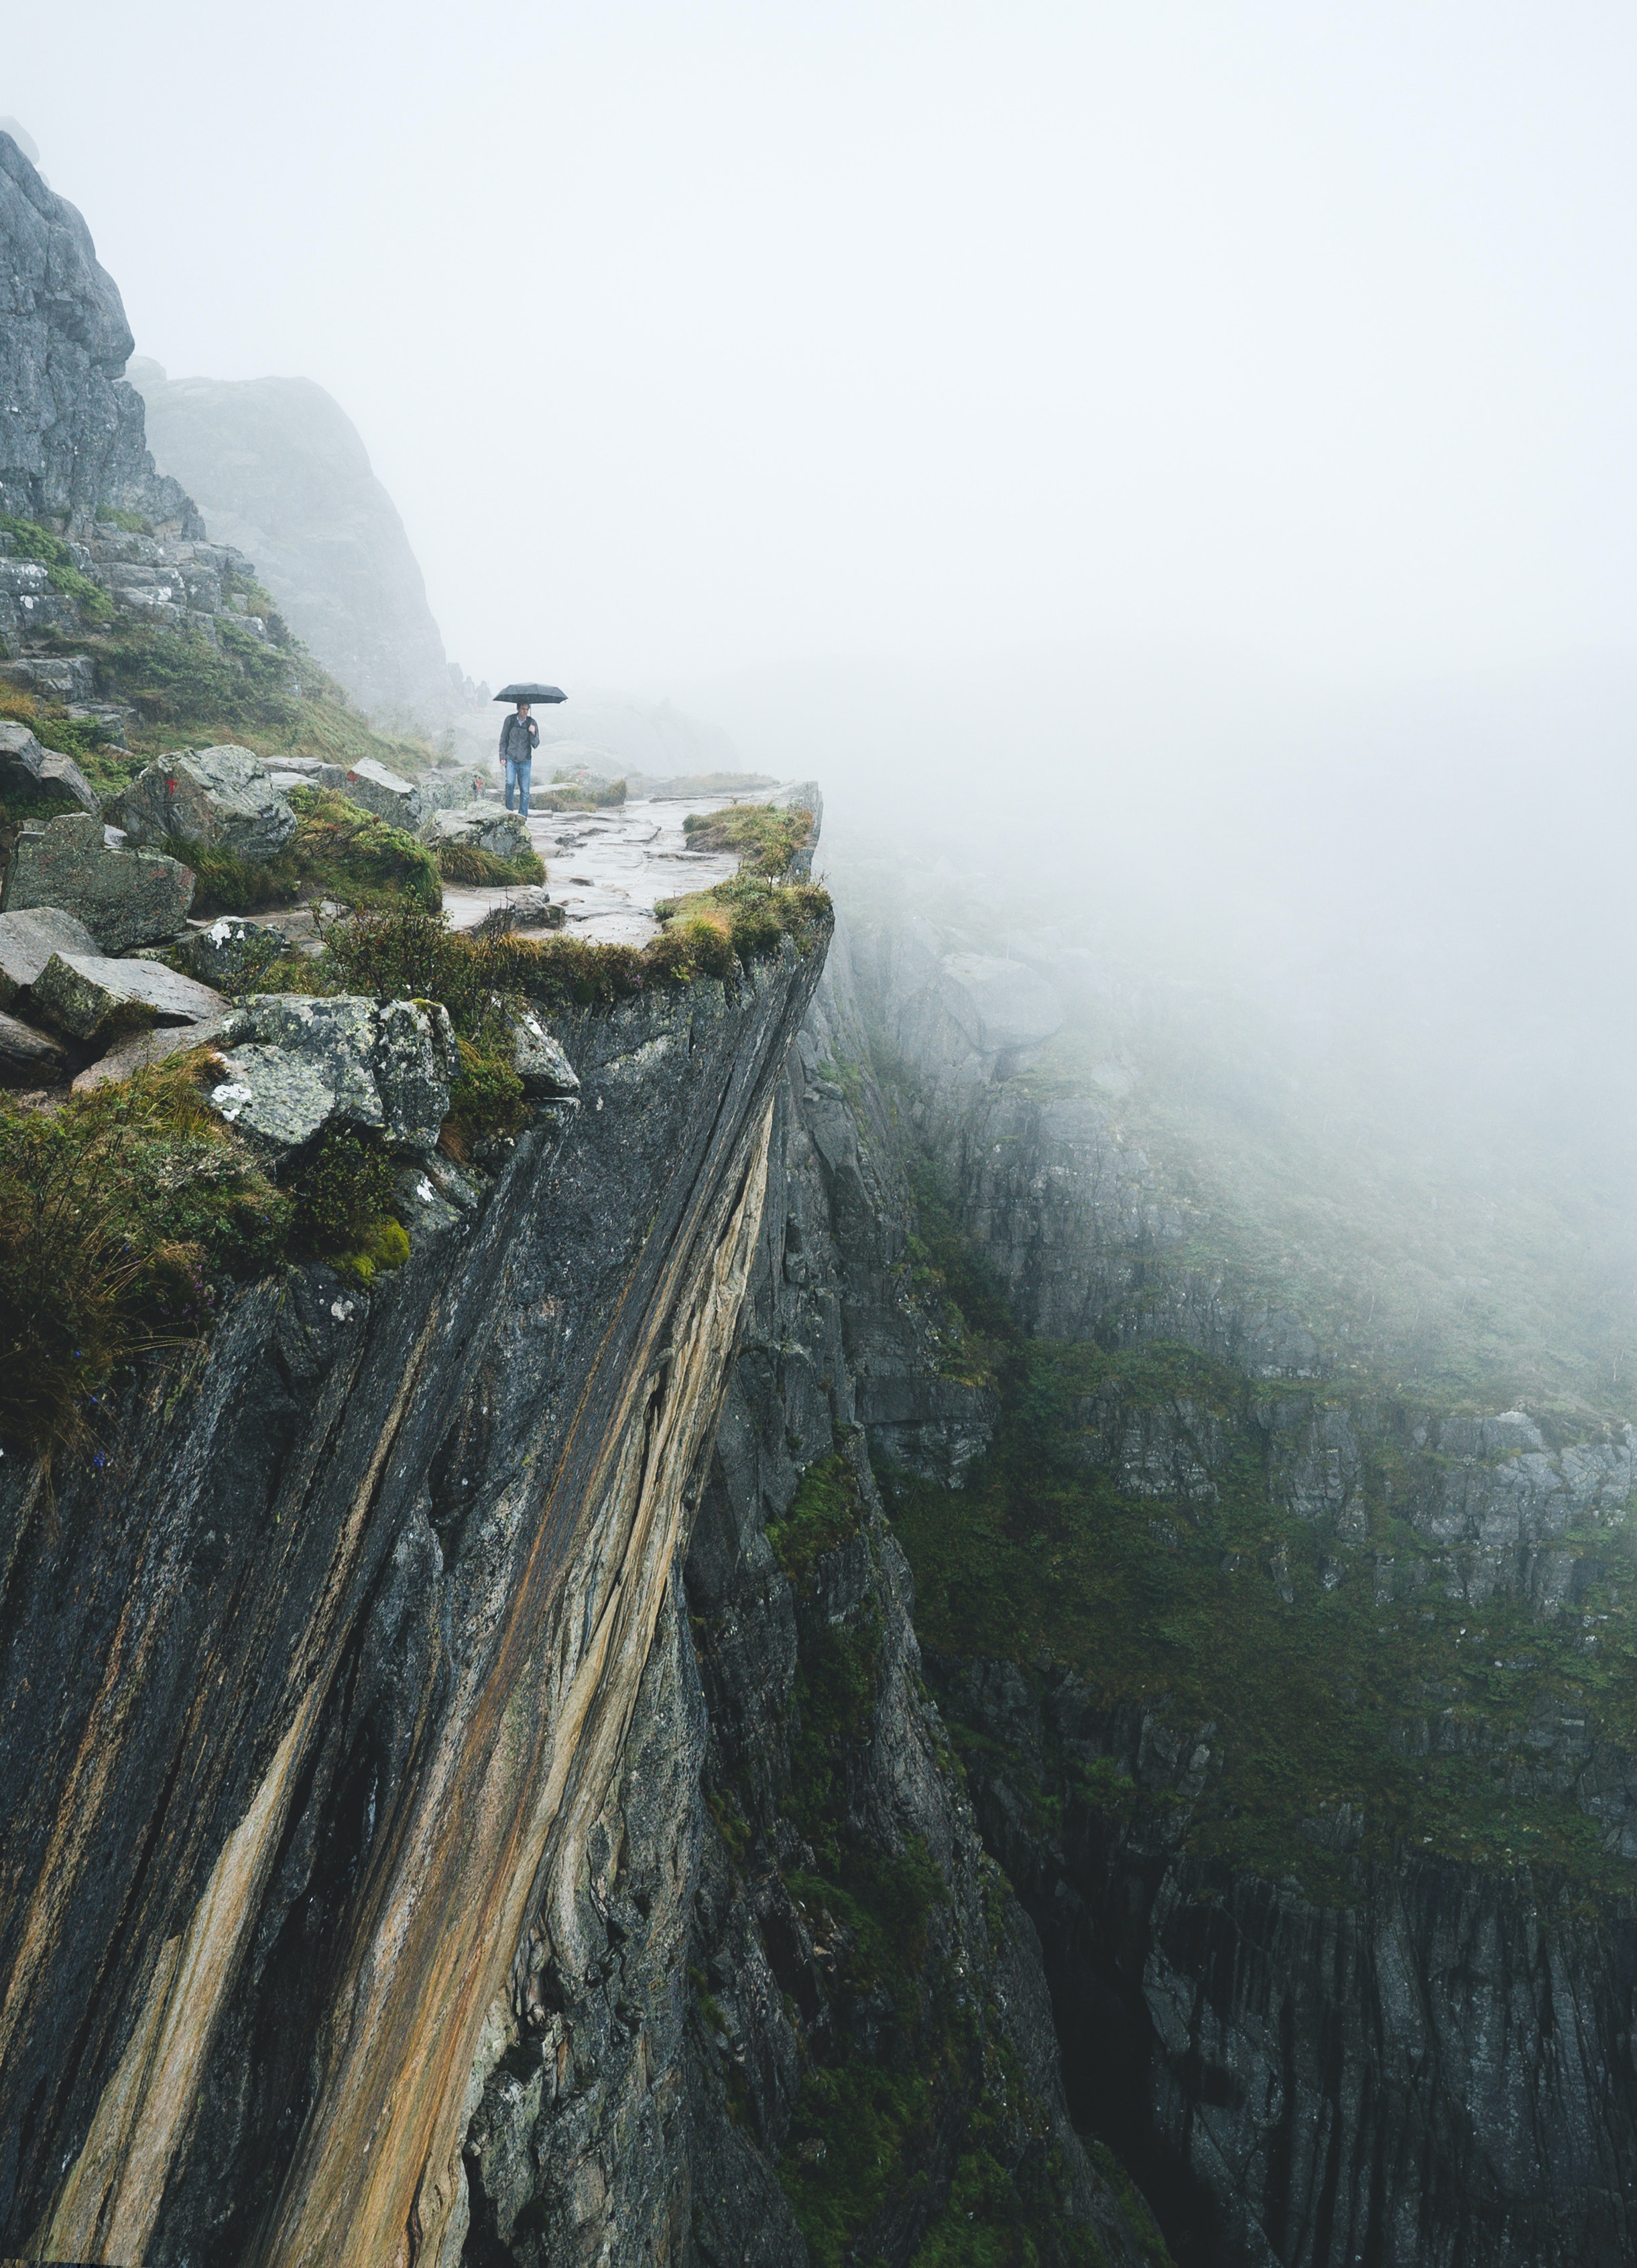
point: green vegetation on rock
(765, 836)
(123, 1216)
(1043, 1553)
(29, 540)
(471, 864)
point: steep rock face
(665, 2102)
(279, 472)
(1438, 2072)
(71, 440)
(320, 1683)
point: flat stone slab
(144, 1048)
(221, 796)
(123, 897)
(27, 941)
(28, 1057)
(83, 994)
(387, 793)
(296, 1065)
(24, 763)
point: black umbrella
(530, 693)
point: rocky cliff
(279, 473)
(71, 440)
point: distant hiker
(519, 737)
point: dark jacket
(519, 741)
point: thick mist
(1168, 471)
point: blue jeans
(517, 777)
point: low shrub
(227, 884)
(486, 1099)
(121, 1215)
(345, 1187)
(766, 837)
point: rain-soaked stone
(221, 796)
(295, 1067)
(123, 897)
(24, 764)
(89, 996)
(27, 941)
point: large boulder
(123, 897)
(25, 766)
(387, 793)
(231, 954)
(91, 997)
(27, 941)
(222, 796)
(296, 1066)
(485, 826)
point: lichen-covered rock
(295, 1067)
(231, 954)
(27, 941)
(89, 995)
(123, 897)
(221, 796)
(24, 764)
(503, 834)
(387, 793)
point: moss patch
(122, 1218)
(469, 863)
(765, 838)
(826, 1510)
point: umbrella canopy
(530, 693)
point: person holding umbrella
(519, 737)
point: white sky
(693, 339)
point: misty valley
(756, 1515)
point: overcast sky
(694, 339)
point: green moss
(385, 1244)
(826, 1510)
(343, 1194)
(765, 838)
(469, 863)
(227, 884)
(487, 1098)
(123, 1216)
(342, 851)
(132, 522)
(30, 540)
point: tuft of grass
(766, 838)
(122, 1217)
(227, 884)
(469, 863)
(486, 1100)
(570, 794)
(341, 851)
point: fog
(1172, 464)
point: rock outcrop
(72, 442)
(123, 897)
(222, 796)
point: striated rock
(27, 941)
(28, 1057)
(296, 1065)
(89, 996)
(217, 796)
(503, 834)
(387, 793)
(26, 765)
(123, 897)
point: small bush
(826, 1510)
(226, 884)
(342, 1192)
(467, 862)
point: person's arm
(533, 734)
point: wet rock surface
(221, 796)
(89, 997)
(24, 764)
(124, 898)
(295, 1067)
